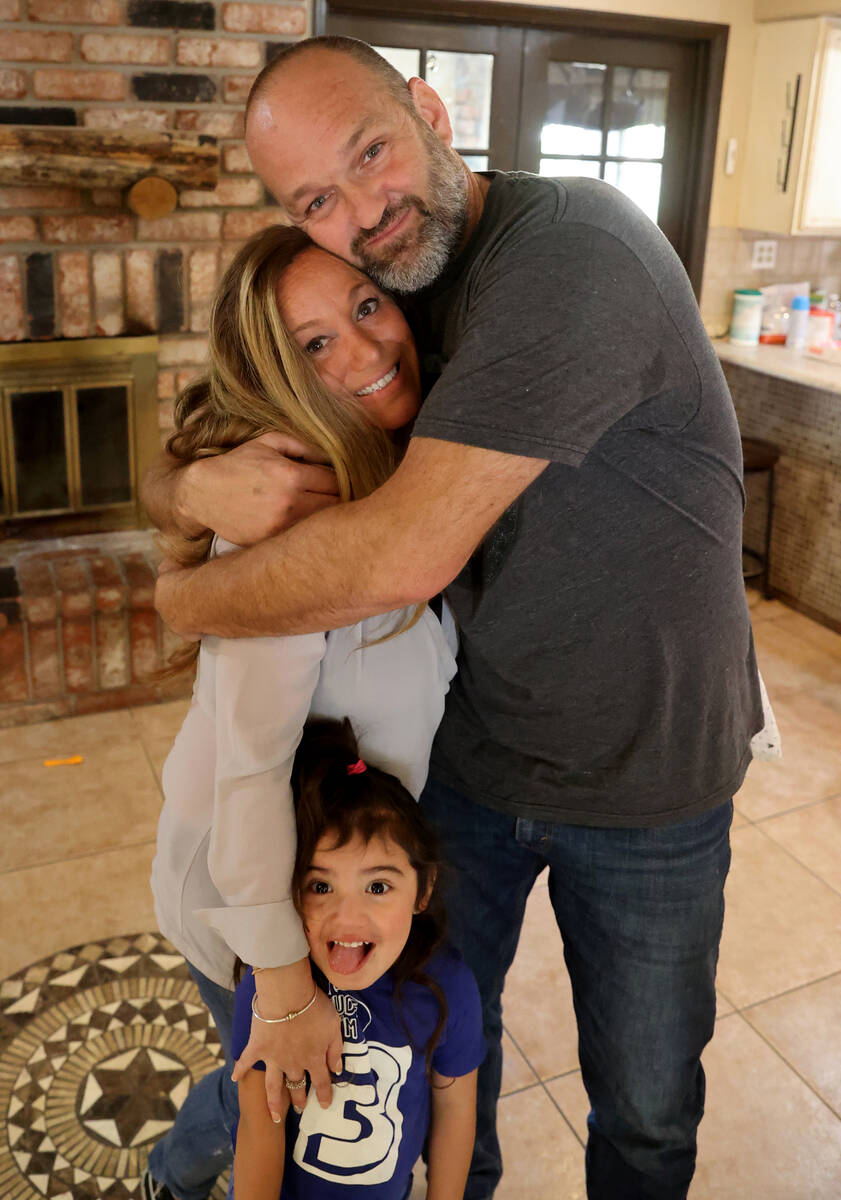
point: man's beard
(416, 259)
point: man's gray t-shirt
(606, 672)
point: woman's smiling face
(355, 335)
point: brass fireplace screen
(78, 426)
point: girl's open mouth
(347, 957)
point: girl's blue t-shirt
(366, 1144)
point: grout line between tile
(794, 858)
(158, 783)
(55, 862)
(542, 1084)
(786, 992)
(784, 812)
(775, 1050)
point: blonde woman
(304, 345)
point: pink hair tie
(356, 768)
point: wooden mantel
(90, 158)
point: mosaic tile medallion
(99, 1045)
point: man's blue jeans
(640, 912)
(198, 1147)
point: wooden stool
(760, 456)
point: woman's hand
(311, 1043)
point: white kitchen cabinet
(792, 180)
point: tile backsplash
(728, 266)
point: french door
(633, 101)
(612, 108)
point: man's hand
(254, 490)
(311, 1043)
(170, 576)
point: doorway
(631, 100)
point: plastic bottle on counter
(746, 321)
(834, 306)
(820, 329)
(798, 324)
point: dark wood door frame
(709, 40)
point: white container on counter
(798, 324)
(746, 321)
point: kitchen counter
(806, 369)
(793, 401)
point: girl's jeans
(640, 912)
(198, 1147)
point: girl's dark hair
(371, 804)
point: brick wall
(78, 629)
(77, 263)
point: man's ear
(430, 108)
(423, 900)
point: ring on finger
(295, 1084)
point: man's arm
(397, 547)
(244, 495)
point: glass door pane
(40, 450)
(639, 181)
(104, 453)
(407, 62)
(638, 103)
(464, 82)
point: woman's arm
(263, 692)
(261, 1144)
(451, 1135)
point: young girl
(364, 884)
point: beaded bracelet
(289, 1016)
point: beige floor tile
(49, 813)
(537, 1004)
(516, 1072)
(810, 768)
(723, 1007)
(829, 694)
(817, 635)
(540, 1154)
(765, 1135)
(568, 1093)
(160, 720)
(813, 836)
(805, 1027)
(739, 819)
(782, 927)
(157, 748)
(65, 737)
(46, 909)
(791, 663)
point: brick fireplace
(77, 261)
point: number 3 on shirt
(357, 1139)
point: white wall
(779, 10)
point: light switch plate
(730, 156)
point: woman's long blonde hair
(259, 379)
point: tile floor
(78, 843)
